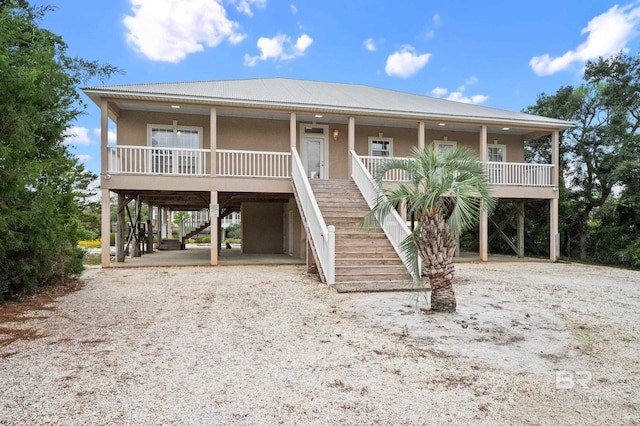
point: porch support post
(214, 211)
(484, 216)
(519, 206)
(351, 143)
(293, 130)
(104, 137)
(213, 140)
(421, 135)
(105, 229)
(554, 236)
(120, 229)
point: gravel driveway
(532, 343)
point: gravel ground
(531, 343)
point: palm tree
(445, 194)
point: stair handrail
(393, 225)
(196, 220)
(322, 236)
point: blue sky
(497, 53)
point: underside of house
(296, 159)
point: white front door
(314, 157)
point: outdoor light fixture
(175, 106)
(335, 134)
(441, 124)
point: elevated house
(296, 157)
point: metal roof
(303, 95)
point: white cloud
(439, 92)
(279, 48)
(244, 6)
(406, 62)
(83, 157)
(471, 80)
(294, 9)
(458, 95)
(608, 35)
(169, 30)
(111, 135)
(370, 45)
(437, 19)
(77, 136)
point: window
(165, 159)
(380, 147)
(497, 153)
(444, 146)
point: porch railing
(499, 173)
(372, 163)
(322, 236)
(157, 160)
(253, 163)
(520, 174)
(393, 226)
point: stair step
(365, 270)
(371, 277)
(363, 261)
(370, 287)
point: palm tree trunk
(437, 247)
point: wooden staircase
(365, 259)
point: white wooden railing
(520, 174)
(499, 173)
(156, 160)
(253, 163)
(372, 163)
(393, 226)
(322, 236)
(196, 220)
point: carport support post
(120, 229)
(554, 237)
(519, 206)
(484, 217)
(105, 229)
(214, 211)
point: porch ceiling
(311, 118)
(197, 200)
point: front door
(315, 157)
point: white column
(421, 135)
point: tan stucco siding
(262, 227)
(253, 134)
(132, 126)
(471, 141)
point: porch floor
(200, 255)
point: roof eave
(97, 94)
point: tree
(41, 183)
(599, 154)
(445, 195)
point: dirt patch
(15, 315)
